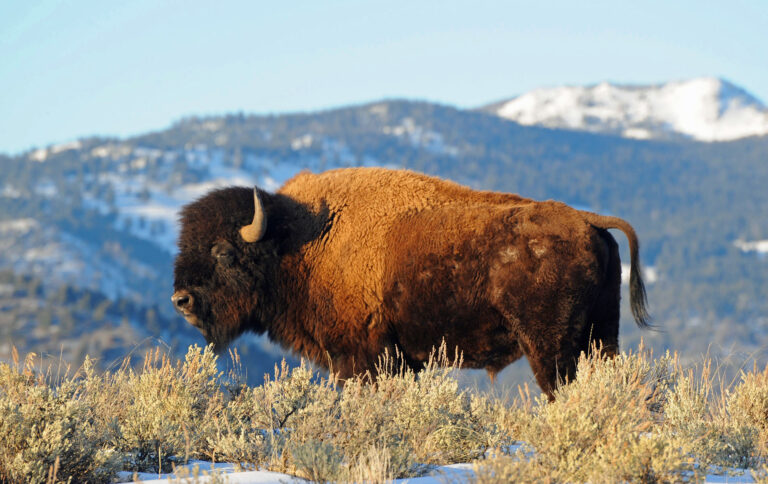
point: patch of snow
(730, 476)
(39, 155)
(302, 142)
(141, 151)
(100, 152)
(201, 471)
(221, 139)
(111, 151)
(46, 253)
(46, 188)
(419, 137)
(379, 109)
(637, 133)
(206, 470)
(759, 246)
(705, 109)
(19, 226)
(650, 274)
(58, 257)
(212, 125)
(72, 145)
(10, 192)
(138, 164)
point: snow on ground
(41, 154)
(735, 477)
(705, 109)
(759, 246)
(19, 225)
(28, 247)
(419, 137)
(9, 191)
(69, 146)
(650, 274)
(451, 473)
(46, 188)
(148, 208)
(441, 475)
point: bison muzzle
(343, 265)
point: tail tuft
(637, 297)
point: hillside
(100, 214)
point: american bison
(342, 265)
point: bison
(343, 265)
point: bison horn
(255, 230)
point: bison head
(220, 271)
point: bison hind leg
(554, 365)
(603, 317)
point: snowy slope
(703, 109)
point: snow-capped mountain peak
(704, 109)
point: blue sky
(78, 68)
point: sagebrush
(633, 418)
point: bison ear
(255, 230)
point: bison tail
(637, 296)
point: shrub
(47, 434)
(317, 461)
(254, 426)
(715, 428)
(372, 466)
(747, 405)
(626, 419)
(599, 428)
(298, 422)
(163, 408)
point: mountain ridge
(705, 109)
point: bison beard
(341, 266)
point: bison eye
(224, 253)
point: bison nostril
(182, 300)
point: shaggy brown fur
(356, 261)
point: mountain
(98, 217)
(703, 109)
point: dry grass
(633, 418)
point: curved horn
(255, 230)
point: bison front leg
(365, 365)
(344, 367)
